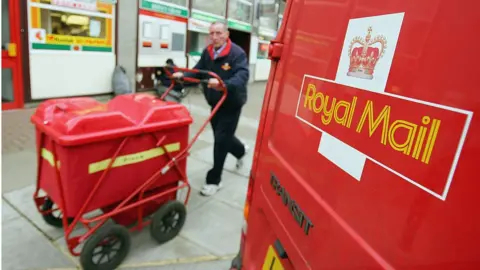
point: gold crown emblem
(364, 54)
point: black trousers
(224, 124)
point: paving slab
(206, 135)
(18, 133)
(22, 201)
(144, 249)
(19, 170)
(210, 265)
(8, 213)
(23, 247)
(234, 190)
(200, 144)
(196, 166)
(195, 201)
(197, 170)
(215, 226)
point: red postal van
(369, 139)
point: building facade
(65, 48)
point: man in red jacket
(229, 61)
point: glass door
(12, 79)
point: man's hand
(214, 83)
(177, 75)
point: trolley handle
(206, 73)
(223, 89)
(190, 80)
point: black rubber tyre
(236, 263)
(106, 248)
(168, 221)
(50, 218)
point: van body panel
(366, 154)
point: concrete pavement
(209, 239)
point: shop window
(240, 10)
(71, 24)
(216, 7)
(5, 24)
(280, 13)
(268, 14)
(198, 42)
(182, 3)
(147, 30)
(282, 7)
(178, 42)
(7, 85)
(164, 32)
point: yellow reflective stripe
(132, 158)
(48, 156)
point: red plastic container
(126, 157)
(87, 133)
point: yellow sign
(70, 40)
(132, 158)
(12, 49)
(272, 262)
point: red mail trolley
(126, 157)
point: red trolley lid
(75, 121)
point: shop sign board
(239, 25)
(95, 15)
(165, 8)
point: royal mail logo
(364, 54)
(416, 140)
(226, 66)
(366, 58)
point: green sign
(206, 17)
(240, 26)
(195, 53)
(162, 8)
(60, 47)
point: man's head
(218, 34)
(170, 62)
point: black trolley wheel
(168, 221)
(106, 248)
(50, 218)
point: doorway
(12, 79)
(242, 39)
